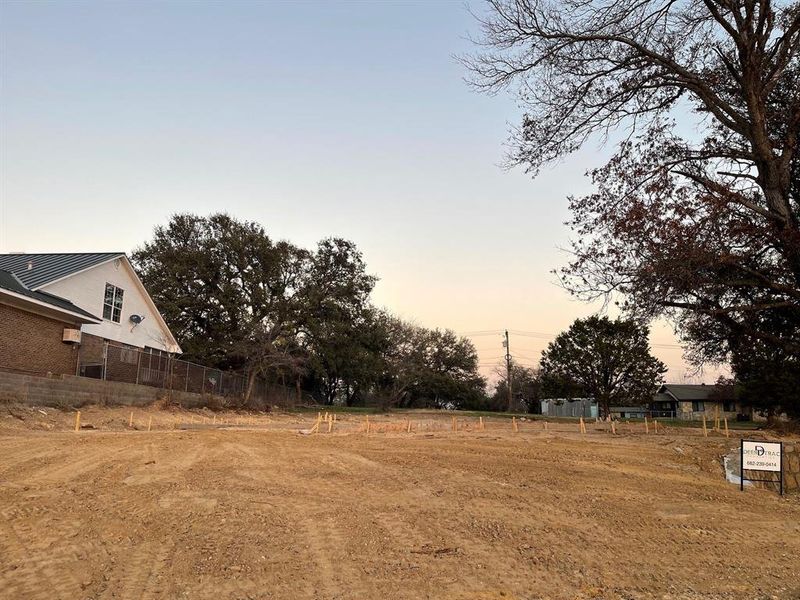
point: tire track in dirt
(161, 466)
(332, 575)
(70, 466)
(39, 563)
(138, 575)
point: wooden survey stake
(150, 423)
(78, 421)
(705, 429)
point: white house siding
(87, 290)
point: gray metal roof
(11, 283)
(692, 392)
(37, 270)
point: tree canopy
(701, 228)
(607, 360)
(526, 389)
(239, 300)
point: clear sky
(315, 119)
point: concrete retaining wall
(71, 391)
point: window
(729, 406)
(698, 406)
(112, 303)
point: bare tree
(704, 228)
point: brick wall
(91, 351)
(32, 343)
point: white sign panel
(761, 456)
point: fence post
(186, 389)
(138, 364)
(171, 374)
(105, 359)
(203, 389)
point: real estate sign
(762, 456)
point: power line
(550, 336)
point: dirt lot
(260, 511)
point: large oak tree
(607, 360)
(703, 228)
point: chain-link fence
(126, 364)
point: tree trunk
(251, 381)
(605, 408)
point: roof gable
(688, 392)
(37, 270)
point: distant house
(629, 412)
(684, 401)
(104, 298)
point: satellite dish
(136, 319)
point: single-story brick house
(101, 294)
(684, 401)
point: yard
(253, 509)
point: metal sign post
(761, 456)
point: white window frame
(117, 292)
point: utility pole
(508, 373)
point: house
(628, 412)
(113, 308)
(34, 326)
(684, 401)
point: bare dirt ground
(257, 510)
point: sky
(347, 119)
